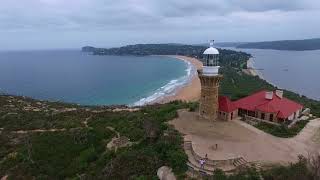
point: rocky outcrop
(165, 173)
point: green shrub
(193, 106)
(296, 171)
(283, 130)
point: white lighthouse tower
(210, 79)
(211, 61)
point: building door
(262, 116)
(231, 115)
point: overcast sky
(45, 24)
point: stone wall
(227, 116)
(210, 162)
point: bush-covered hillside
(58, 142)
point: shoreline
(191, 90)
(251, 69)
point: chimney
(279, 93)
(269, 95)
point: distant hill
(293, 45)
(149, 49)
(230, 44)
(227, 57)
(88, 49)
(222, 44)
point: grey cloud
(128, 13)
(160, 20)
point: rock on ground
(165, 173)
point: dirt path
(112, 129)
(85, 122)
(38, 130)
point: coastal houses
(265, 105)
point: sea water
(77, 77)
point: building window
(271, 117)
(251, 113)
(262, 115)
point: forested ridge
(293, 45)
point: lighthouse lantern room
(211, 61)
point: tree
(151, 129)
(314, 165)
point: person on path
(202, 161)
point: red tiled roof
(226, 105)
(283, 107)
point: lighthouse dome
(211, 50)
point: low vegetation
(283, 130)
(304, 169)
(307, 168)
(77, 149)
(245, 174)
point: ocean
(77, 77)
(298, 71)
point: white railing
(210, 70)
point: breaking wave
(170, 88)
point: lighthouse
(210, 79)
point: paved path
(236, 138)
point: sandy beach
(251, 69)
(191, 91)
